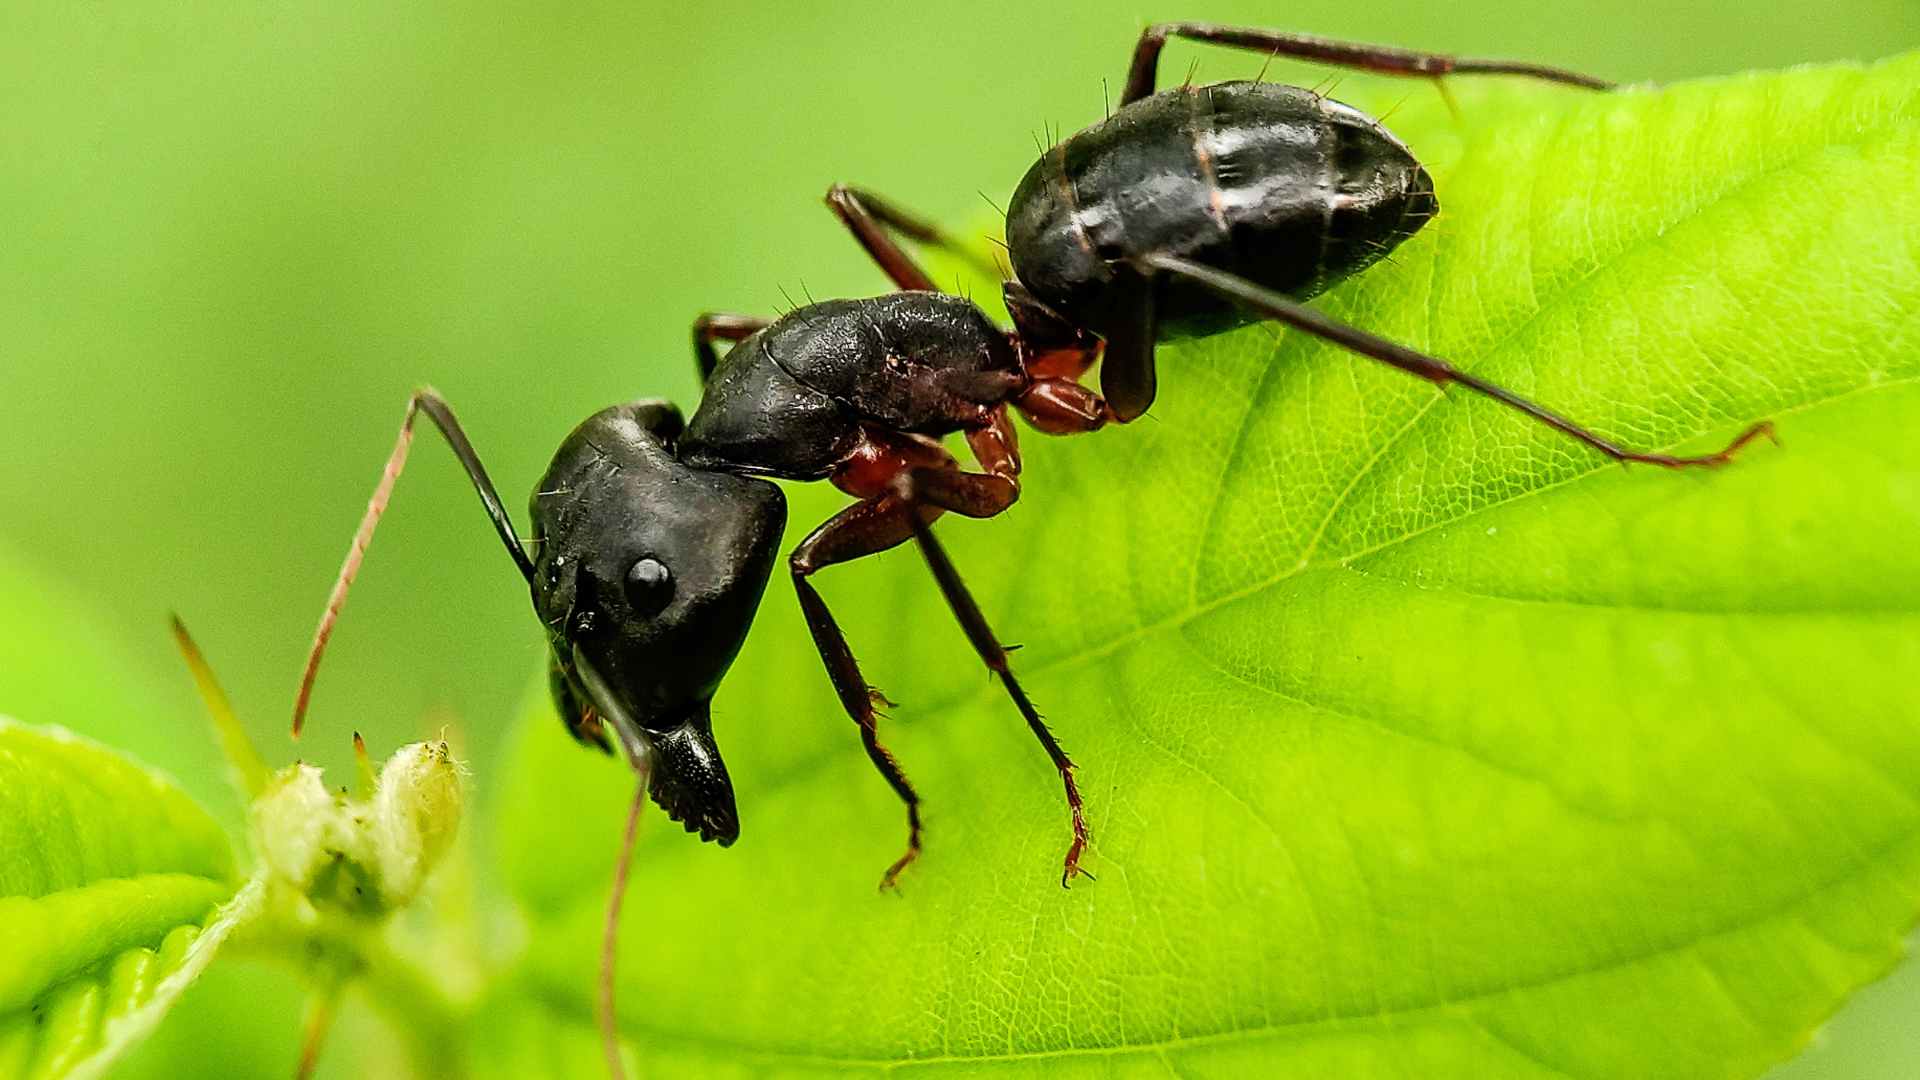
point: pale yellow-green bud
(362, 857)
(297, 825)
(416, 813)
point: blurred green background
(234, 236)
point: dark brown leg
(1381, 58)
(873, 221)
(864, 528)
(924, 483)
(983, 496)
(1127, 376)
(721, 326)
(1301, 317)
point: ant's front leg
(715, 326)
(875, 524)
(865, 528)
(1384, 59)
(977, 495)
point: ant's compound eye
(649, 586)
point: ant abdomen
(1275, 184)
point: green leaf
(65, 663)
(110, 884)
(1417, 740)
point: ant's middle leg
(715, 326)
(1384, 59)
(874, 221)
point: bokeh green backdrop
(233, 236)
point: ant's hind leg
(874, 221)
(1431, 368)
(715, 326)
(1384, 59)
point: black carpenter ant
(1185, 212)
(1193, 210)
(653, 539)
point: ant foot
(1072, 868)
(1709, 461)
(891, 879)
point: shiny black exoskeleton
(1275, 184)
(653, 538)
(647, 573)
(795, 399)
(1194, 209)
(1185, 211)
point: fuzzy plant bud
(362, 857)
(296, 825)
(416, 813)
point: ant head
(647, 574)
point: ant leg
(1061, 406)
(1127, 375)
(721, 326)
(978, 495)
(865, 528)
(873, 221)
(441, 414)
(1432, 368)
(1379, 58)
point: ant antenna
(1262, 76)
(438, 411)
(609, 1022)
(1106, 102)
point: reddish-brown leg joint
(1061, 406)
(996, 447)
